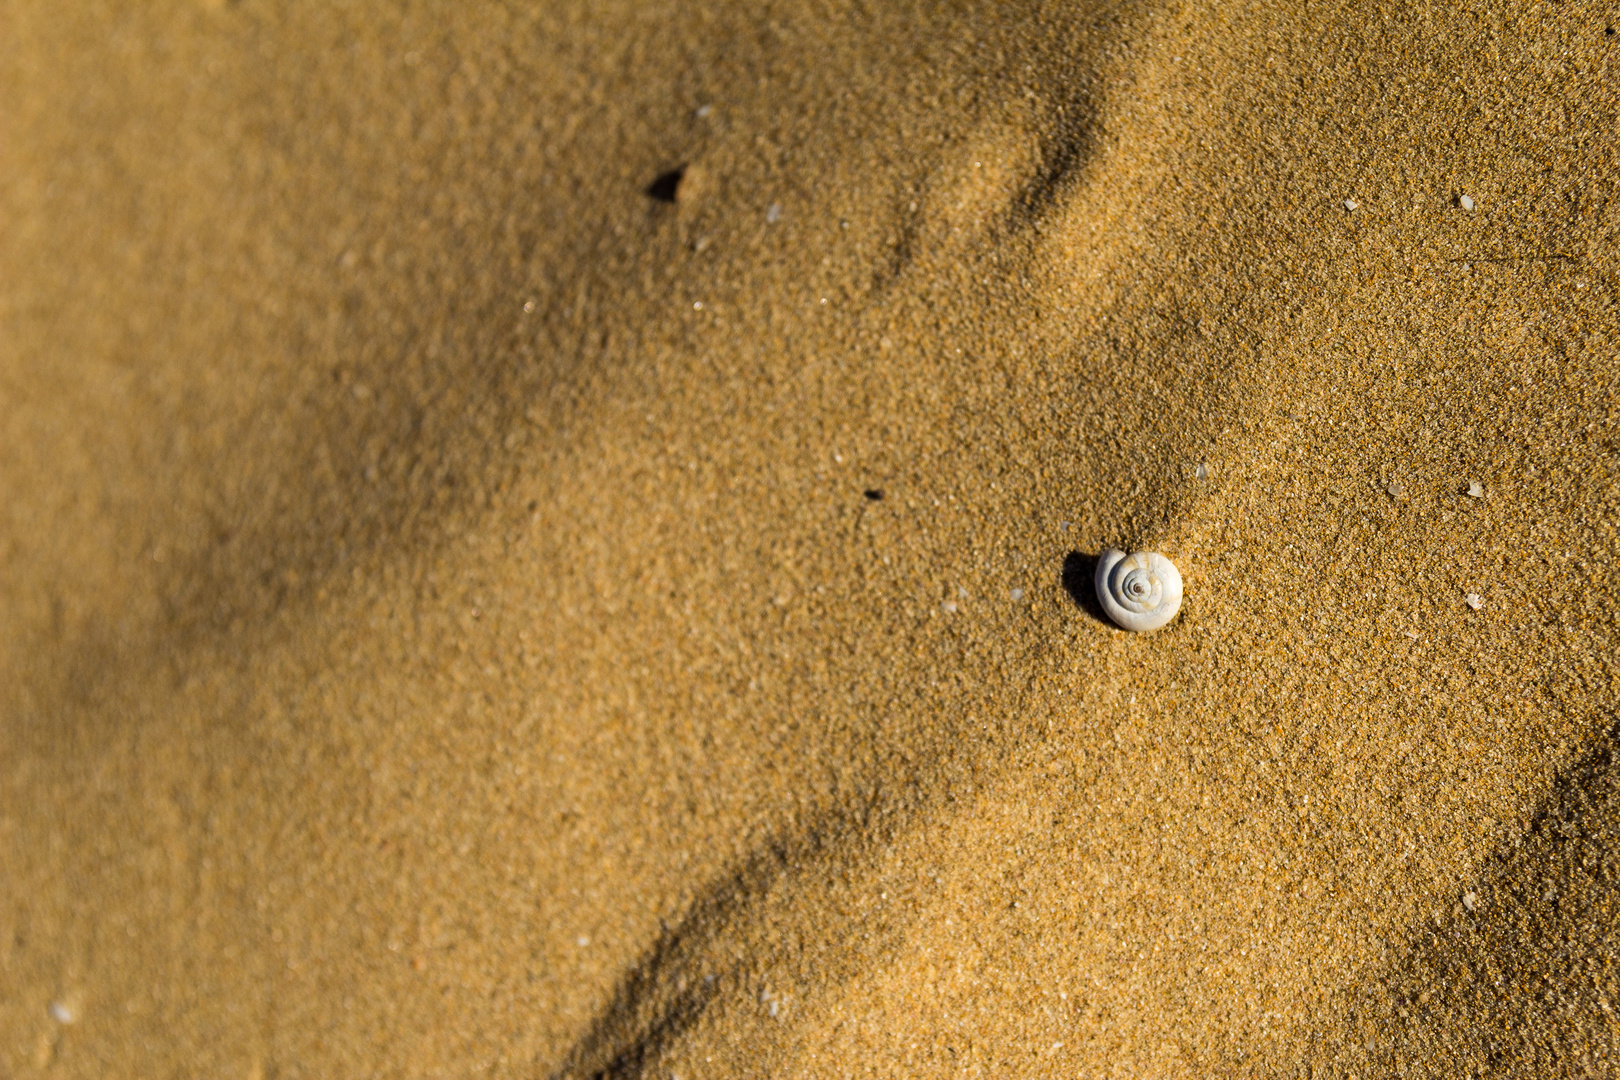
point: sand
(468, 607)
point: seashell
(1140, 591)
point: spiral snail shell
(1140, 591)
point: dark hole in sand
(665, 184)
(874, 494)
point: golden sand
(463, 613)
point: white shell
(1140, 591)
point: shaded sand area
(468, 608)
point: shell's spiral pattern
(1140, 591)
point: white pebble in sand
(1470, 900)
(1017, 594)
(1475, 490)
(1351, 204)
(1474, 600)
(61, 1013)
(774, 213)
(1465, 202)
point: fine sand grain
(554, 539)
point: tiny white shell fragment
(1139, 592)
(1474, 600)
(62, 1013)
(1470, 901)
(1465, 202)
(1351, 204)
(1475, 490)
